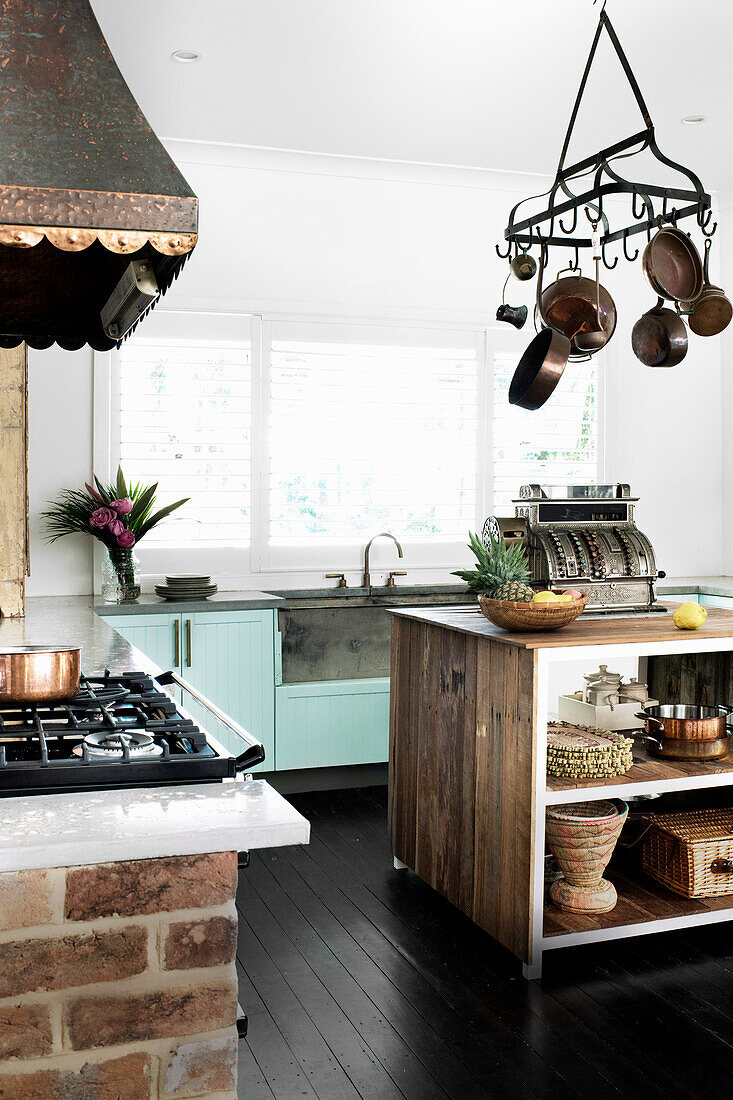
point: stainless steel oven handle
(254, 754)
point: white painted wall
(330, 236)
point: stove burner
(112, 744)
(95, 693)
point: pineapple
(514, 590)
(502, 571)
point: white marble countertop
(68, 830)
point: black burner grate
(42, 747)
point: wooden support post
(14, 556)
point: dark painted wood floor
(359, 981)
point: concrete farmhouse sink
(344, 633)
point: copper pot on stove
(39, 673)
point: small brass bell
(523, 266)
(513, 315)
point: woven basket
(582, 837)
(525, 617)
(679, 850)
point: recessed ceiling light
(185, 57)
(693, 120)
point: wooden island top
(646, 628)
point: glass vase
(120, 576)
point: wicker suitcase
(691, 853)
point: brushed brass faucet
(381, 535)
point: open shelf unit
(644, 906)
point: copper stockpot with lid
(39, 673)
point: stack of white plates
(186, 586)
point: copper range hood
(95, 217)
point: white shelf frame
(615, 789)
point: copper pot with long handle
(711, 311)
(542, 365)
(39, 673)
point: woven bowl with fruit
(501, 581)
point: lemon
(689, 616)
(544, 597)
(565, 597)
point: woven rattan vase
(582, 837)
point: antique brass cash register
(584, 537)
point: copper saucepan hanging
(673, 266)
(659, 338)
(575, 304)
(711, 311)
(542, 365)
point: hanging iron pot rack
(552, 227)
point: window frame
(280, 566)
(423, 554)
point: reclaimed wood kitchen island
(467, 769)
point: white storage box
(622, 716)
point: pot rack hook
(626, 251)
(704, 221)
(606, 264)
(573, 226)
(504, 255)
(577, 257)
(642, 212)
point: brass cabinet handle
(176, 642)
(189, 654)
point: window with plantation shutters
(555, 445)
(298, 440)
(371, 436)
(185, 422)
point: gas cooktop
(119, 731)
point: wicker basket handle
(722, 866)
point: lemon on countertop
(689, 616)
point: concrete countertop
(69, 620)
(149, 604)
(698, 586)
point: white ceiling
(458, 82)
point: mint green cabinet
(227, 655)
(332, 722)
(153, 635)
(232, 662)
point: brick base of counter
(118, 980)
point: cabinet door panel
(153, 635)
(233, 664)
(333, 722)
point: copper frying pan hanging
(673, 266)
(542, 365)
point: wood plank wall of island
(467, 771)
